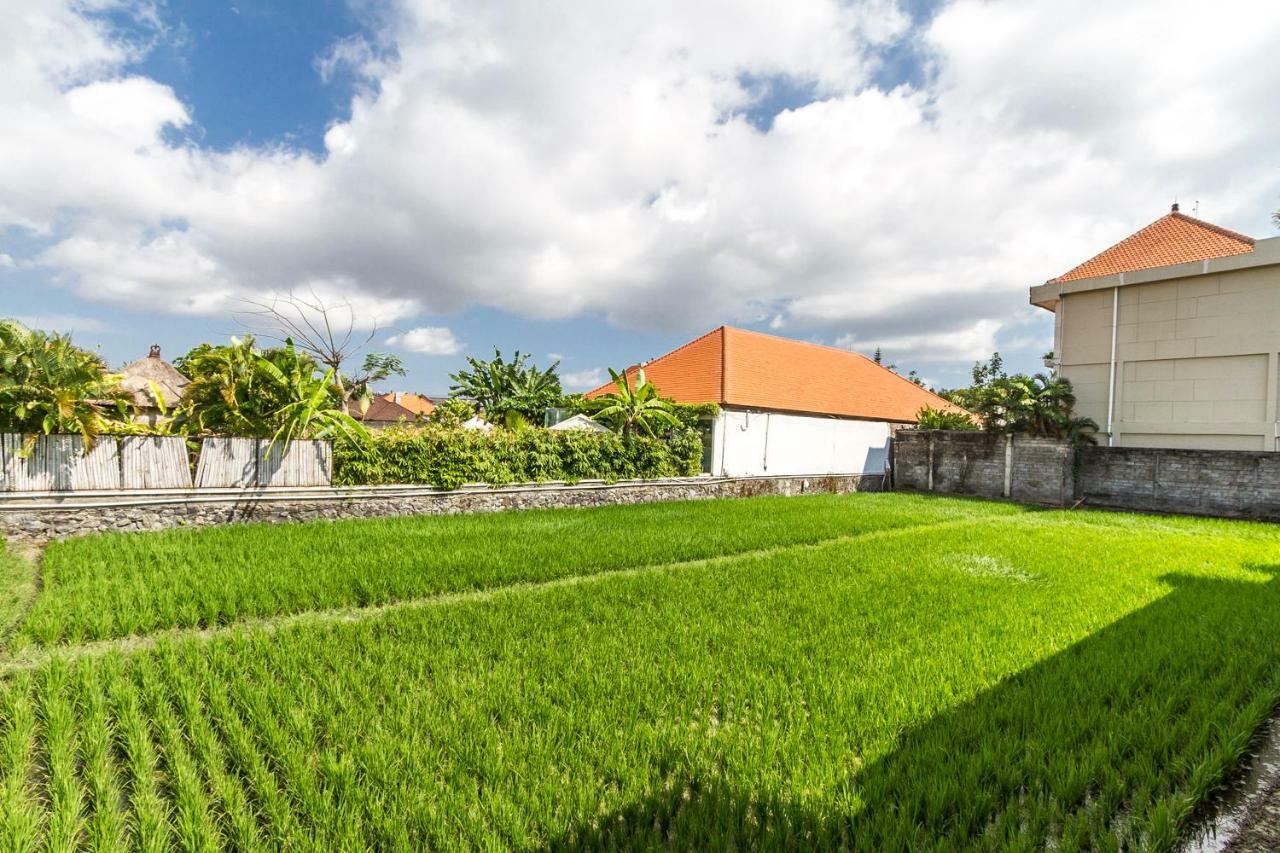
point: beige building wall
(1196, 358)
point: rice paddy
(870, 672)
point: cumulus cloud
(428, 340)
(583, 380)
(610, 160)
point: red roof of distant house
(382, 410)
(1174, 238)
(736, 367)
(415, 403)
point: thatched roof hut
(144, 377)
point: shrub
(931, 418)
(445, 457)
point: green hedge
(447, 458)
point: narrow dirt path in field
(20, 581)
(36, 656)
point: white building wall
(751, 443)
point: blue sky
(591, 187)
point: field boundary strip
(35, 657)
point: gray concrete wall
(43, 517)
(1033, 470)
(1230, 484)
(1222, 483)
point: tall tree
(331, 332)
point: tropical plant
(1040, 404)
(931, 418)
(277, 393)
(309, 410)
(633, 406)
(331, 331)
(50, 385)
(452, 413)
(498, 386)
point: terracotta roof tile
(736, 367)
(416, 403)
(1174, 238)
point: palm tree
(49, 385)
(632, 406)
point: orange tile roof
(416, 403)
(1174, 238)
(736, 367)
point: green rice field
(865, 672)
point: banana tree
(635, 406)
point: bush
(447, 458)
(931, 418)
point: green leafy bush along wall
(447, 458)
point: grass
(985, 680)
(17, 588)
(115, 585)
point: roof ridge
(842, 351)
(1176, 216)
(1225, 232)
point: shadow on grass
(1109, 743)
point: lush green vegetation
(275, 393)
(985, 679)
(512, 391)
(1039, 405)
(448, 457)
(17, 589)
(48, 385)
(113, 585)
(634, 406)
(931, 418)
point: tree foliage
(279, 393)
(498, 386)
(50, 385)
(931, 418)
(1040, 404)
(452, 413)
(634, 406)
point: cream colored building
(1171, 337)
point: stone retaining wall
(40, 517)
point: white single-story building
(788, 407)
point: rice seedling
(116, 585)
(1073, 681)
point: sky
(598, 183)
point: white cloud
(6, 261)
(583, 380)
(961, 346)
(66, 323)
(429, 340)
(599, 161)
